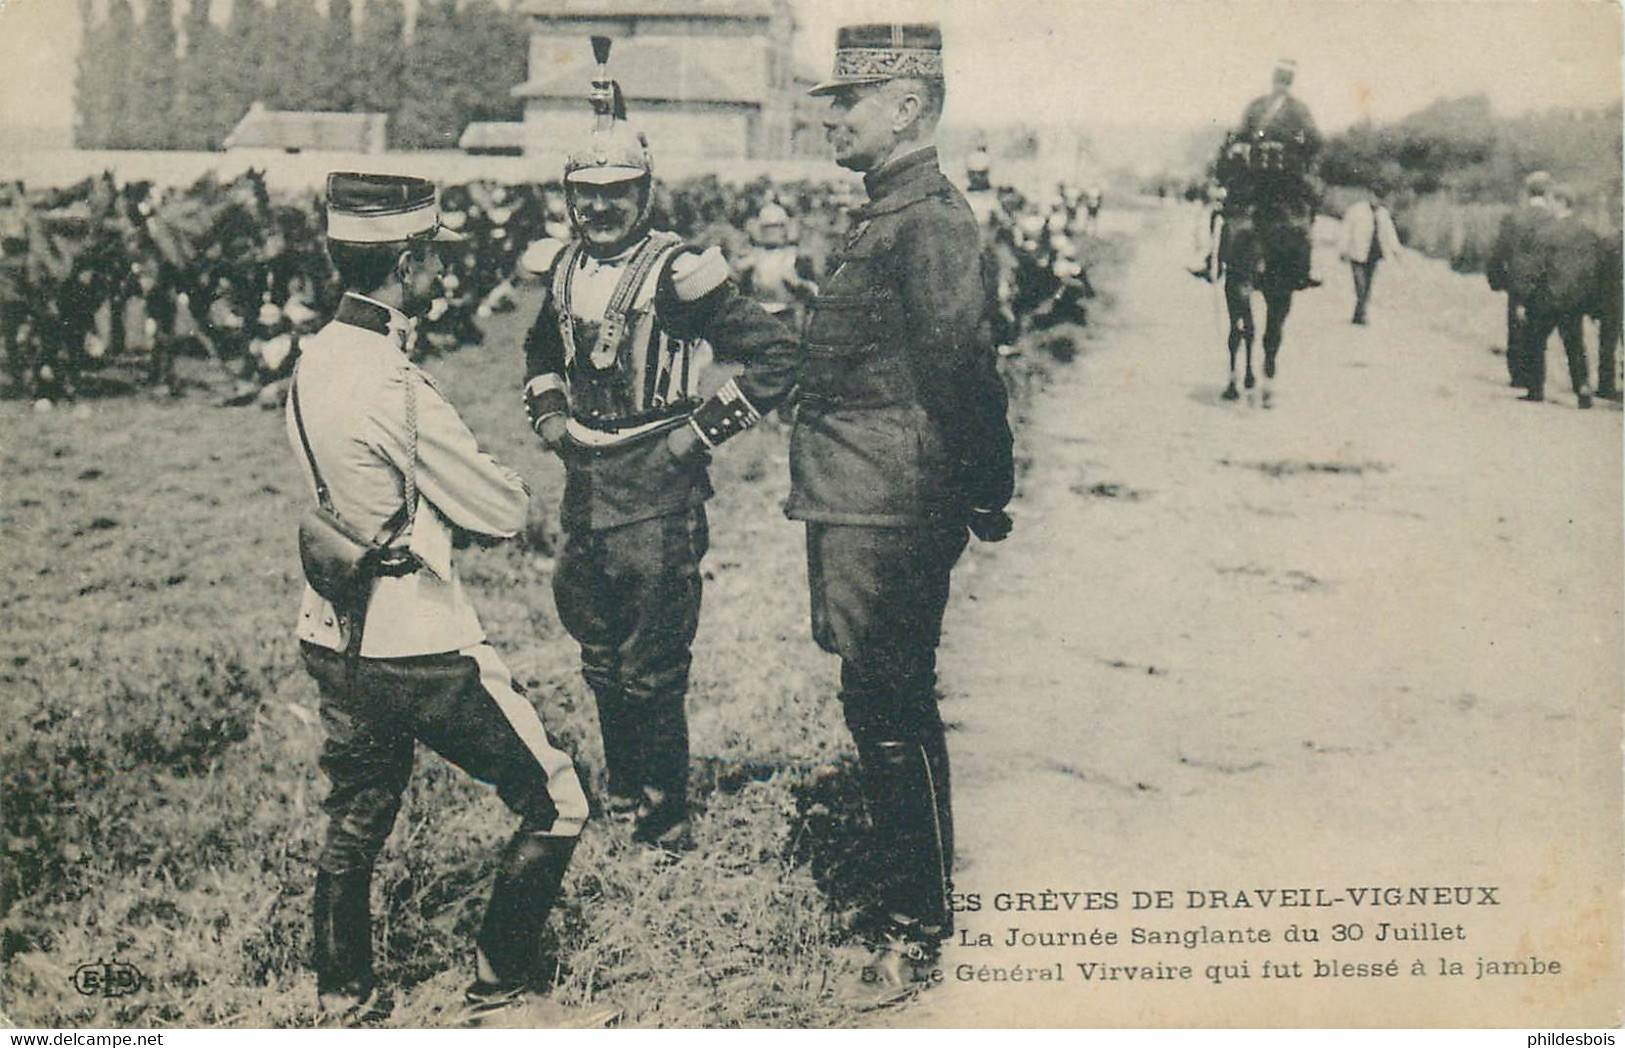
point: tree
(291, 56)
(196, 114)
(92, 90)
(500, 43)
(120, 29)
(427, 118)
(379, 58)
(460, 67)
(151, 98)
(241, 75)
(338, 86)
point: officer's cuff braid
(726, 414)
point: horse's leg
(1238, 303)
(1277, 304)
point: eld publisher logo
(106, 979)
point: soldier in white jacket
(412, 663)
(1368, 238)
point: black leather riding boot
(662, 759)
(343, 939)
(936, 755)
(617, 725)
(527, 887)
(907, 841)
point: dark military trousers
(466, 707)
(878, 597)
(630, 596)
(1537, 330)
(1364, 272)
(1516, 355)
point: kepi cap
(874, 54)
(364, 208)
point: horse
(65, 270)
(1260, 249)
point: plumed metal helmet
(771, 226)
(613, 152)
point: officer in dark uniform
(900, 441)
(1570, 260)
(1281, 144)
(1514, 266)
(615, 364)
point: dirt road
(1367, 639)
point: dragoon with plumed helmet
(614, 154)
(617, 385)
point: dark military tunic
(1514, 266)
(900, 433)
(901, 413)
(900, 429)
(1281, 117)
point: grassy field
(161, 796)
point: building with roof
(292, 131)
(493, 138)
(708, 78)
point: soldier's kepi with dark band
(616, 384)
(900, 442)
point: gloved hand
(545, 405)
(990, 525)
(683, 443)
(551, 430)
(462, 538)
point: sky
(1162, 62)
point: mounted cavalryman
(1267, 165)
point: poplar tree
(151, 96)
(114, 58)
(460, 67)
(242, 76)
(380, 59)
(427, 117)
(498, 42)
(198, 110)
(291, 56)
(338, 86)
(91, 90)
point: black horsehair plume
(606, 97)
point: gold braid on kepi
(874, 54)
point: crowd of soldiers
(101, 276)
(100, 273)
